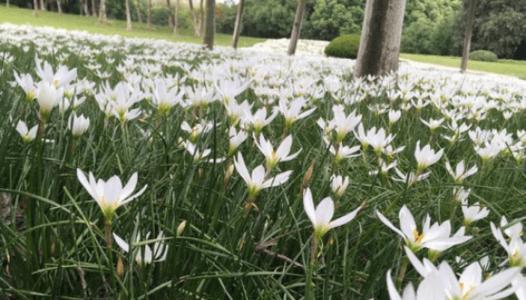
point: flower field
(144, 169)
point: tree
(208, 39)
(149, 14)
(93, 8)
(296, 27)
(59, 6)
(237, 26)
(103, 18)
(176, 15)
(467, 35)
(128, 15)
(138, 10)
(171, 20)
(380, 40)
(43, 5)
(35, 7)
(197, 20)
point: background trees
(430, 26)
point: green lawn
(504, 66)
(75, 22)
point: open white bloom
(321, 216)
(515, 247)
(259, 119)
(394, 116)
(431, 288)
(433, 124)
(25, 81)
(201, 155)
(473, 213)
(258, 179)
(28, 135)
(292, 111)
(411, 177)
(460, 173)
(236, 138)
(109, 194)
(513, 230)
(426, 156)
(377, 139)
(145, 255)
(281, 154)
(198, 129)
(436, 237)
(48, 97)
(164, 97)
(339, 184)
(78, 125)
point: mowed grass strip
(22, 16)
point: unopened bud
(181, 227)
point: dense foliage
(483, 55)
(345, 46)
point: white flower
(436, 237)
(28, 135)
(281, 154)
(25, 81)
(145, 255)
(236, 138)
(515, 248)
(433, 124)
(322, 215)
(78, 125)
(339, 184)
(394, 116)
(258, 179)
(109, 194)
(426, 156)
(460, 173)
(48, 97)
(473, 213)
(292, 110)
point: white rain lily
(473, 213)
(78, 125)
(394, 116)
(258, 179)
(201, 155)
(48, 97)
(339, 184)
(436, 237)
(25, 81)
(460, 173)
(426, 156)
(292, 110)
(259, 119)
(433, 124)
(321, 216)
(515, 247)
(145, 255)
(281, 154)
(110, 194)
(28, 135)
(236, 138)
(513, 229)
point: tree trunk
(195, 23)
(238, 24)
(138, 10)
(296, 27)
(7, 3)
(59, 7)
(102, 12)
(128, 15)
(176, 15)
(43, 5)
(93, 8)
(201, 18)
(86, 10)
(149, 15)
(35, 7)
(381, 35)
(171, 15)
(208, 39)
(467, 35)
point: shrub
(483, 55)
(345, 46)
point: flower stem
(309, 290)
